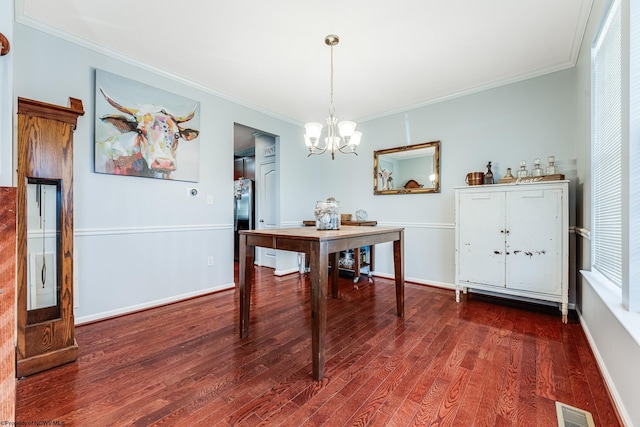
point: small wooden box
(555, 177)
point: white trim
(37, 233)
(291, 224)
(437, 225)
(594, 346)
(113, 231)
(285, 272)
(150, 304)
(570, 63)
(605, 373)
(611, 296)
(475, 89)
(417, 281)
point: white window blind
(607, 148)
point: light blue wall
(152, 235)
(142, 241)
(521, 121)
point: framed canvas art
(144, 131)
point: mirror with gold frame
(409, 169)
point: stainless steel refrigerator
(244, 210)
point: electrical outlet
(210, 260)
(192, 191)
(209, 199)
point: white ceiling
(271, 55)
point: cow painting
(145, 140)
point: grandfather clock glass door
(45, 320)
(43, 250)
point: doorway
(255, 182)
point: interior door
(267, 210)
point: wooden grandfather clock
(45, 322)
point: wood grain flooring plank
(477, 362)
(446, 413)
(472, 394)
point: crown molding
(22, 19)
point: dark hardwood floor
(478, 362)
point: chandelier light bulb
(313, 130)
(346, 129)
(354, 140)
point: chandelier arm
(346, 152)
(316, 150)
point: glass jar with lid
(523, 172)
(551, 169)
(537, 170)
(327, 214)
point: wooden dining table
(322, 248)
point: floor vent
(568, 416)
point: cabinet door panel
(481, 238)
(534, 241)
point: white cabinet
(513, 239)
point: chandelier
(341, 136)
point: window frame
(628, 289)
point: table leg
(318, 279)
(246, 279)
(398, 265)
(356, 265)
(372, 257)
(334, 260)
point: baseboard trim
(82, 320)
(285, 272)
(417, 281)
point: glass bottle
(537, 170)
(551, 169)
(488, 177)
(523, 172)
(508, 175)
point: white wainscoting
(127, 269)
(429, 250)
